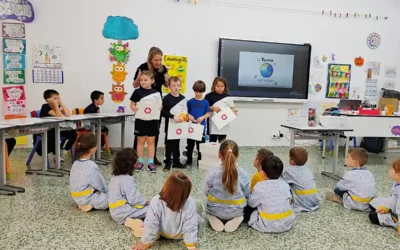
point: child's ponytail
(84, 144)
(229, 152)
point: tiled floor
(45, 217)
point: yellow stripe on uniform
(172, 237)
(123, 202)
(276, 216)
(227, 202)
(359, 199)
(82, 193)
(305, 192)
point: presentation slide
(265, 70)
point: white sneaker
(61, 160)
(233, 224)
(215, 223)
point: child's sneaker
(167, 167)
(178, 165)
(139, 166)
(233, 224)
(152, 168)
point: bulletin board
(339, 76)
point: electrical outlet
(276, 136)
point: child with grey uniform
(301, 181)
(127, 205)
(172, 214)
(387, 210)
(87, 184)
(357, 186)
(269, 205)
(227, 188)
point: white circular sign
(374, 40)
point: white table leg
(98, 153)
(334, 175)
(57, 133)
(346, 150)
(93, 131)
(4, 188)
(123, 133)
(292, 138)
(323, 148)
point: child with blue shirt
(199, 111)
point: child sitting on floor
(301, 181)
(386, 211)
(269, 209)
(227, 188)
(88, 187)
(262, 153)
(127, 205)
(357, 186)
(172, 214)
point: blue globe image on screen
(266, 70)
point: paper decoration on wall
(359, 61)
(14, 100)
(118, 73)
(14, 76)
(118, 93)
(121, 109)
(324, 58)
(19, 10)
(333, 57)
(316, 62)
(120, 28)
(374, 41)
(355, 93)
(14, 46)
(13, 61)
(47, 64)
(375, 67)
(390, 72)
(119, 52)
(338, 81)
(371, 89)
(177, 66)
(292, 115)
(390, 84)
(13, 30)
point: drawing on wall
(118, 93)
(13, 76)
(390, 84)
(292, 114)
(47, 64)
(338, 80)
(355, 93)
(14, 46)
(375, 67)
(14, 100)
(316, 62)
(324, 58)
(371, 89)
(359, 61)
(13, 30)
(19, 10)
(14, 61)
(373, 41)
(119, 28)
(177, 66)
(390, 72)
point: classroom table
(303, 132)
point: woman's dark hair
(272, 167)
(124, 162)
(84, 144)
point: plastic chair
(38, 143)
(331, 145)
(80, 111)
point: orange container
(389, 110)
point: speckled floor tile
(44, 217)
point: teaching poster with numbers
(47, 64)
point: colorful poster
(19, 10)
(11, 61)
(13, 30)
(338, 81)
(17, 46)
(14, 100)
(14, 76)
(374, 66)
(177, 66)
(371, 89)
(47, 56)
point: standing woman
(160, 72)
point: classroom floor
(45, 217)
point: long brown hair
(176, 190)
(84, 144)
(152, 53)
(229, 152)
(219, 79)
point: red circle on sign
(147, 110)
(191, 130)
(179, 131)
(224, 117)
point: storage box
(374, 112)
(211, 148)
(389, 101)
(332, 121)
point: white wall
(193, 31)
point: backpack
(373, 144)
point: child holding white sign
(174, 104)
(146, 131)
(219, 99)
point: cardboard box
(389, 101)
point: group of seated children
(55, 107)
(198, 110)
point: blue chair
(38, 143)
